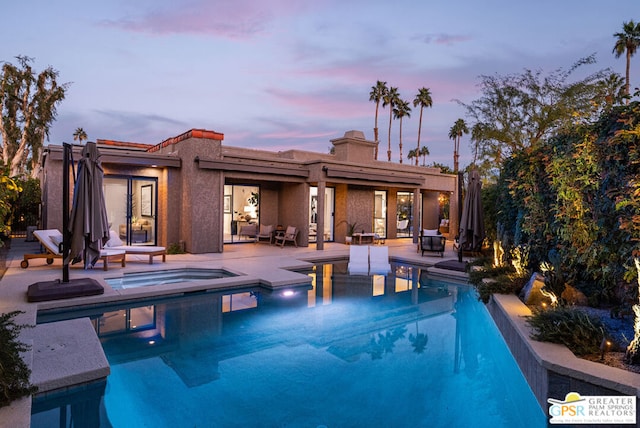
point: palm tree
(401, 110)
(79, 135)
(455, 133)
(390, 99)
(423, 99)
(627, 43)
(613, 88)
(376, 95)
(413, 154)
(477, 136)
(424, 152)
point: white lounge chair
(379, 260)
(51, 239)
(115, 243)
(358, 259)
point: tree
(613, 90)
(413, 154)
(455, 133)
(28, 106)
(400, 111)
(423, 99)
(424, 152)
(9, 191)
(376, 95)
(390, 99)
(520, 110)
(79, 135)
(627, 43)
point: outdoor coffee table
(112, 256)
(363, 238)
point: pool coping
(552, 370)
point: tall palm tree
(455, 133)
(423, 99)
(477, 136)
(376, 95)
(402, 109)
(413, 154)
(390, 99)
(424, 152)
(79, 135)
(627, 42)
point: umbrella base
(56, 290)
(452, 265)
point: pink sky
(282, 74)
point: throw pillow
(114, 240)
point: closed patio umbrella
(88, 224)
(472, 221)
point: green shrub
(572, 327)
(175, 248)
(14, 373)
(502, 280)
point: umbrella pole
(66, 238)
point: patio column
(417, 214)
(320, 216)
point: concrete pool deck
(72, 353)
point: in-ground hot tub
(167, 276)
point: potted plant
(351, 229)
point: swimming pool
(401, 350)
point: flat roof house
(191, 189)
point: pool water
(370, 351)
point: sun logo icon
(571, 397)
(571, 407)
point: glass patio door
(241, 208)
(404, 210)
(329, 203)
(380, 213)
(132, 206)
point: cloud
(240, 19)
(443, 39)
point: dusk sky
(279, 75)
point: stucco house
(192, 189)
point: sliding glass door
(380, 213)
(329, 202)
(132, 208)
(404, 209)
(241, 206)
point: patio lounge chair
(265, 233)
(379, 260)
(115, 243)
(290, 235)
(358, 260)
(51, 240)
